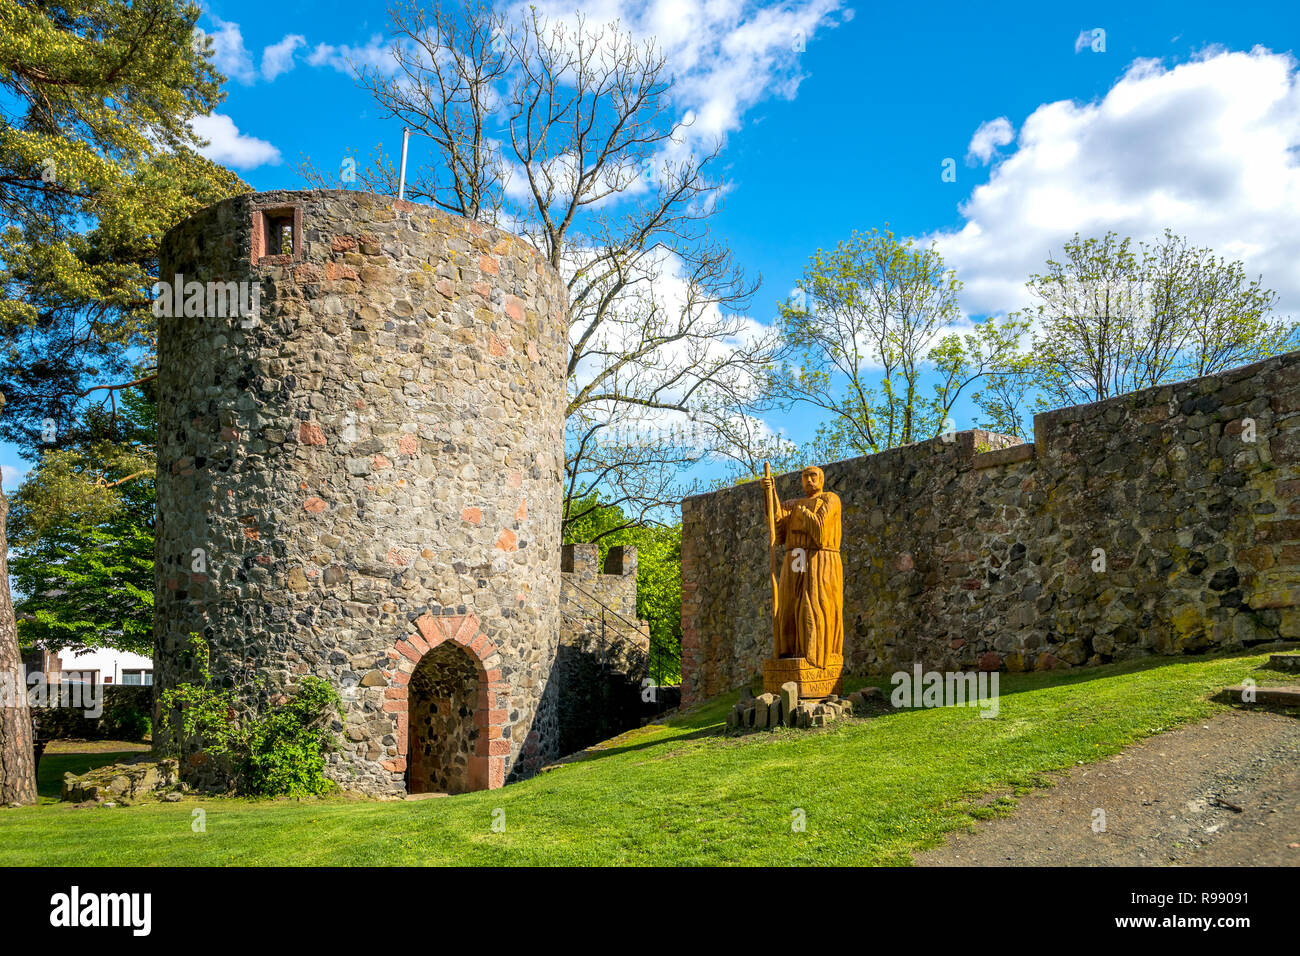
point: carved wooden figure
(808, 600)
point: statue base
(812, 681)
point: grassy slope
(873, 791)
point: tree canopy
(869, 321)
(1114, 316)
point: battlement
(585, 591)
(604, 649)
(583, 558)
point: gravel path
(1168, 800)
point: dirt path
(1165, 801)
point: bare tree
(590, 168)
(450, 65)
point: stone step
(1284, 662)
(1277, 696)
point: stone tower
(359, 476)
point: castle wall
(369, 469)
(603, 657)
(958, 557)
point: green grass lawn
(872, 790)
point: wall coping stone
(1003, 456)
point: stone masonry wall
(598, 673)
(369, 470)
(980, 553)
(585, 588)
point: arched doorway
(443, 700)
(451, 723)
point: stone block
(1284, 662)
(790, 695)
(805, 715)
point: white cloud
(377, 53)
(229, 53)
(661, 298)
(278, 58)
(230, 147)
(1209, 149)
(11, 477)
(987, 139)
(725, 55)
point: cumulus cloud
(228, 146)
(724, 57)
(694, 336)
(987, 139)
(1208, 148)
(229, 54)
(376, 52)
(278, 58)
(11, 477)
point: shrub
(125, 723)
(279, 751)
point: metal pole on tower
(401, 177)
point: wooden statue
(808, 597)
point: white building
(98, 665)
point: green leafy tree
(83, 532)
(1113, 316)
(1004, 400)
(867, 325)
(97, 161)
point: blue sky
(1190, 118)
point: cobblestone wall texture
(604, 649)
(982, 553)
(371, 469)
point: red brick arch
(487, 765)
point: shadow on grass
(706, 719)
(712, 730)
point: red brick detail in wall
(487, 765)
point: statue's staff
(769, 493)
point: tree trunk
(17, 761)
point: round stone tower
(360, 426)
